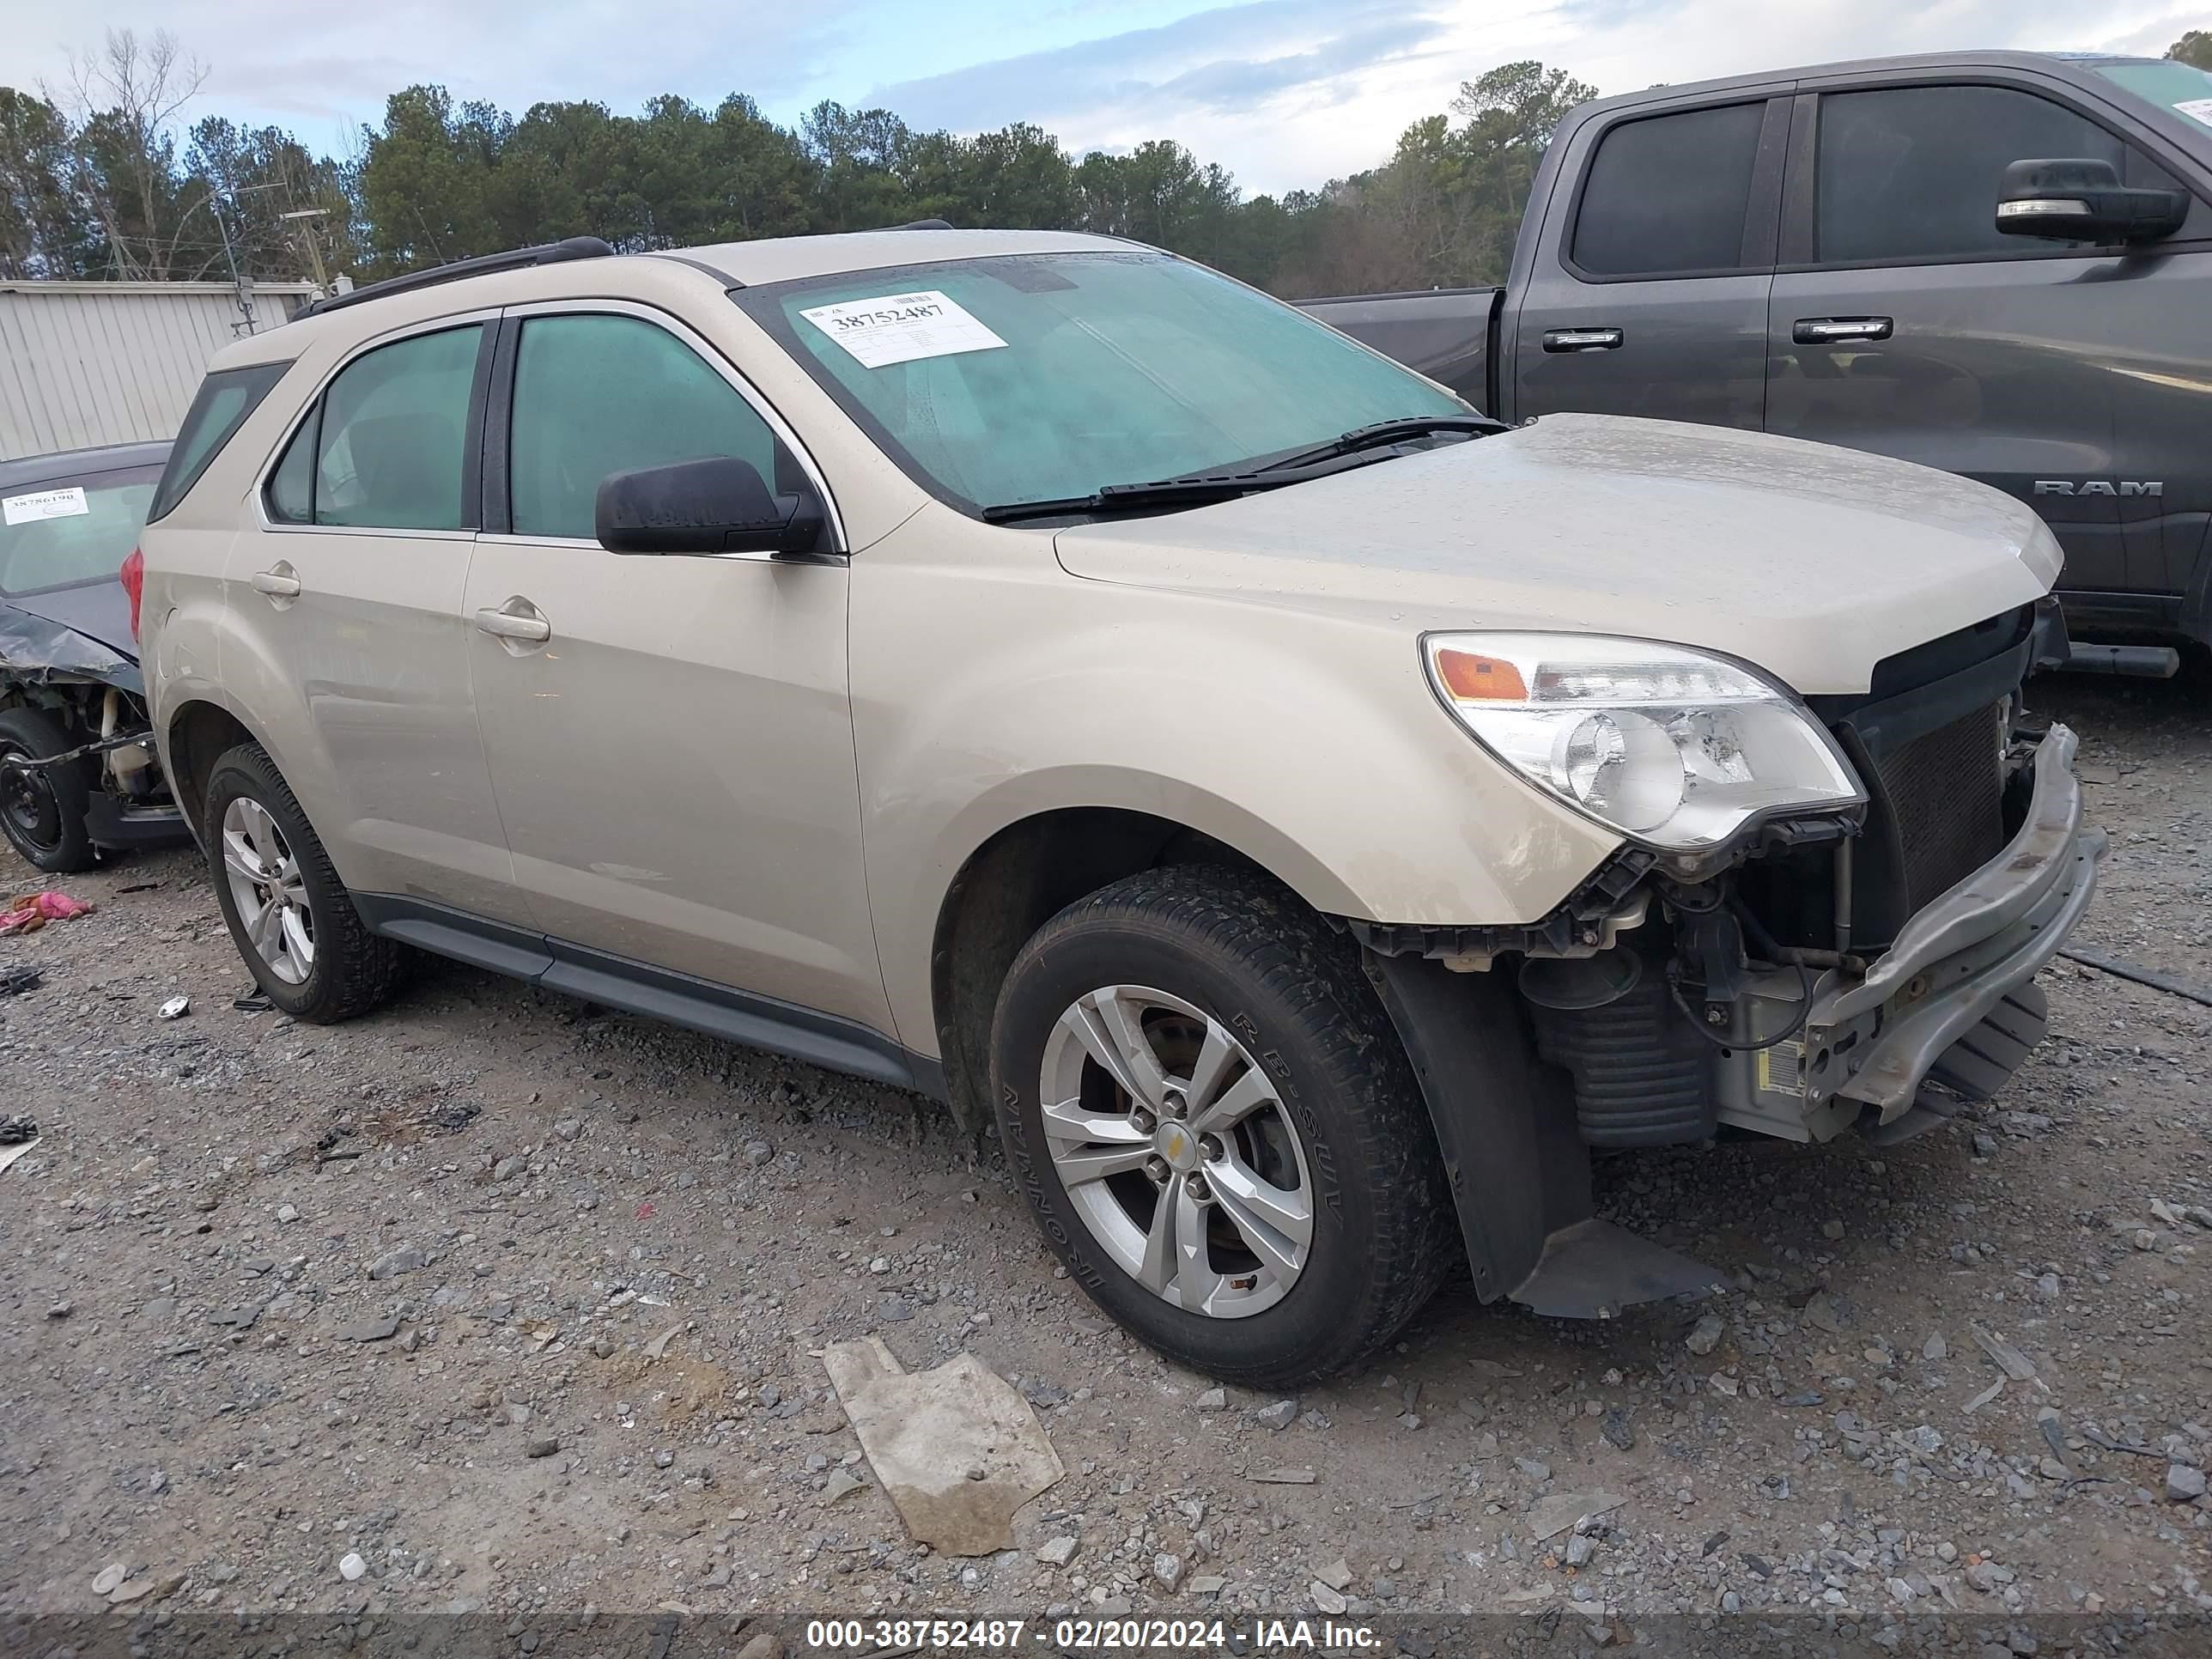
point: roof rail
(545, 254)
(920, 224)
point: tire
(1203, 956)
(43, 811)
(346, 970)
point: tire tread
(1242, 918)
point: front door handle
(278, 581)
(1833, 331)
(518, 619)
(1583, 339)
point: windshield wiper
(1383, 434)
(1138, 497)
(1357, 448)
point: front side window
(1669, 194)
(597, 395)
(387, 445)
(1031, 377)
(66, 531)
(1912, 173)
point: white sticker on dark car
(45, 504)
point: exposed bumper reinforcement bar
(1955, 960)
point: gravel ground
(301, 1319)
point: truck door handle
(277, 582)
(1583, 339)
(518, 619)
(1833, 331)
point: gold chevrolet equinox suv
(1032, 669)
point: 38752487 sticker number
(903, 328)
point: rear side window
(387, 445)
(1669, 194)
(68, 532)
(595, 395)
(1912, 173)
(225, 399)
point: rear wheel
(1216, 1127)
(43, 811)
(290, 916)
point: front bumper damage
(1952, 998)
(1811, 1043)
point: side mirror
(718, 505)
(2083, 201)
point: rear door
(672, 751)
(346, 596)
(1902, 322)
(1649, 291)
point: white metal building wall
(86, 363)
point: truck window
(1912, 173)
(1667, 195)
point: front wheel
(1216, 1127)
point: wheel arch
(1019, 879)
(197, 733)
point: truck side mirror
(717, 504)
(2083, 201)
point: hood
(1812, 562)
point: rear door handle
(518, 619)
(1583, 339)
(1832, 331)
(277, 582)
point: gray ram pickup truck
(1998, 263)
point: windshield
(71, 530)
(1039, 377)
(2180, 87)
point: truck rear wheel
(1221, 1136)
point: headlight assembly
(1671, 746)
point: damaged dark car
(78, 775)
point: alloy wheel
(270, 894)
(1178, 1151)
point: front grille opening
(1943, 796)
(1936, 813)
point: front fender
(987, 694)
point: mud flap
(1520, 1174)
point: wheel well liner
(200, 734)
(1010, 887)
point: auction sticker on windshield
(2200, 108)
(46, 504)
(901, 328)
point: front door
(347, 593)
(670, 737)
(1911, 327)
(1652, 300)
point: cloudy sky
(1282, 91)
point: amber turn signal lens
(1471, 679)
